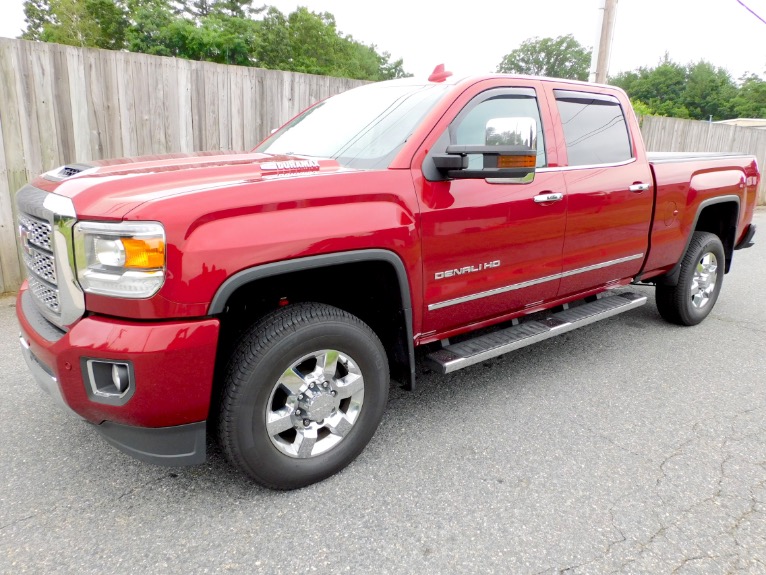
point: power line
(746, 7)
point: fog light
(108, 381)
(120, 376)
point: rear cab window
(595, 129)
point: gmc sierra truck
(266, 298)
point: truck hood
(109, 189)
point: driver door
(490, 247)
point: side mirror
(510, 152)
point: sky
(473, 37)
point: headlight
(125, 259)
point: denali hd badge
(466, 270)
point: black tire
(269, 348)
(675, 303)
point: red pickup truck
(265, 298)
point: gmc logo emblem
(24, 237)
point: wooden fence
(60, 104)
(677, 135)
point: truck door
(609, 192)
(490, 246)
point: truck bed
(684, 183)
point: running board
(466, 353)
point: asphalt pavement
(628, 446)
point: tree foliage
(698, 90)
(660, 89)
(561, 57)
(750, 101)
(310, 42)
(224, 31)
(94, 23)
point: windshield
(361, 128)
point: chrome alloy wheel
(704, 280)
(315, 403)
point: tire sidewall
(259, 454)
(690, 314)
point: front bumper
(163, 421)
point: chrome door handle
(638, 188)
(545, 198)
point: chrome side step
(466, 353)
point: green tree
(709, 91)
(659, 88)
(156, 28)
(697, 90)
(88, 23)
(199, 9)
(750, 101)
(561, 57)
(642, 109)
(223, 39)
(36, 14)
(310, 42)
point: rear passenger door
(609, 191)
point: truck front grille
(46, 223)
(37, 250)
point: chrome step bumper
(467, 353)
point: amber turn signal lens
(516, 161)
(144, 253)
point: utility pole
(599, 65)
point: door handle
(550, 197)
(638, 188)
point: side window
(594, 128)
(498, 121)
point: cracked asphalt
(628, 446)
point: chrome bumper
(44, 378)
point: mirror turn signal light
(516, 161)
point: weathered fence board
(677, 135)
(61, 104)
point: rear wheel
(304, 392)
(699, 283)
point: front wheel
(304, 392)
(699, 283)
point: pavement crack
(20, 520)
(145, 484)
(608, 439)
